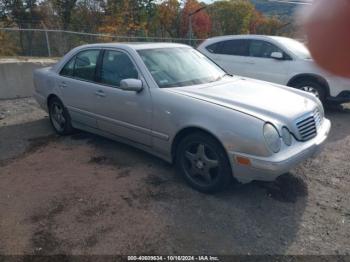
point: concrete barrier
(16, 76)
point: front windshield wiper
(221, 77)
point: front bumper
(269, 168)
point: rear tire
(312, 87)
(203, 163)
(59, 117)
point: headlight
(286, 136)
(272, 138)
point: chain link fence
(56, 43)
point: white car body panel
(273, 70)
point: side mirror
(277, 55)
(131, 85)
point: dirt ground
(84, 194)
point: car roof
(128, 46)
(135, 45)
(231, 37)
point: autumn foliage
(166, 18)
(201, 22)
(131, 19)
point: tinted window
(212, 48)
(85, 64)
(68, 69)
(233, 47)
(116, 66)
(299, 49)
(264, 49)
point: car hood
(264, 100)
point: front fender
(235, 130)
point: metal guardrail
(51, 42)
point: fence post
(48, 43)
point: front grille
(309, 124)
(318, 118)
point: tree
(132, 18)
(7, 43)
(231, 17)
(87, 16)
(169, 14)
(136, 18)
(2, 9)
(148, 15)
(271, 26)
(261, 24)
(64, 9)
(117, 18)
(201, 22)
(25, 14)
(257, 20)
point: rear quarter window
(212, 48)
(68, 68)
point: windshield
(181, 66)
(299, 49)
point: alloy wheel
(201, 164)
(57, 117)
(312, 90)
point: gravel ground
(84, 194)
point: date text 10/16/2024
(173, 258)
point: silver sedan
(173, 102)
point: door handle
(63, 85)
(100, 93)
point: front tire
(59, 117)
(203, 163)
(312, 87)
